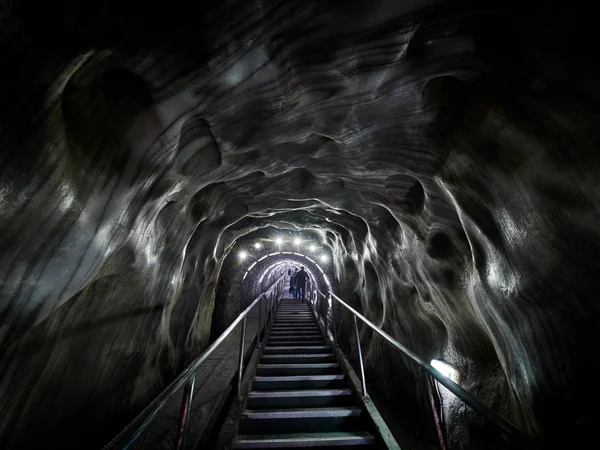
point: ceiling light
(324, 258)
(257, 245)
(278, 241)
(312, 247)
(243, 255)
(297, 241)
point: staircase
(300, 397)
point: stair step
(302, 413)
(298, 369)
(294, 317)
(296, 349)
(298, 356)
(336, 440)
(280, 320)
(295, 323)
(305, 310)
(297, 315)
(299, 393)
(296, 343)
(296, 340)
(297, 337)
(287, 333)
(304, 440)
(294, 420)
(312, 398)
(305, 313)
(290, 335)
(292, 358)
(295, 330)
(298, 382)
(303, 331)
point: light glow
(312, 247)
(446, 369)
(278, 241)
(295, 263)
(324, 258)
(257, 245)
(297, 241)
(243, 255)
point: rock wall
(446, 153)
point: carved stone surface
(446, 156)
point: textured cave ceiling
(447, 158)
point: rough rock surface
(447, 156)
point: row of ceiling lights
(279, 241)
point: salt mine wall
(445, 154)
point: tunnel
(433, 164)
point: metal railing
(323, 304)
(187, 378)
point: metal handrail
(187, 377)
(453, 387)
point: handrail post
(360, 359)
(333, 321)
(320, 309)
(184, 416)
(241, 361)
(260, 317)
(326, 317)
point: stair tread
(298, 355)
(295, 335)
(309, 438)
(288, 329)
(299, 337)
(304, 336)
(298, 347)
(300, 393)
(299, 377)
(296, 332)
(298, 365)
(297, 413)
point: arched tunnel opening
(258, 260)
(432, 163)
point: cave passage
(434, 163)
